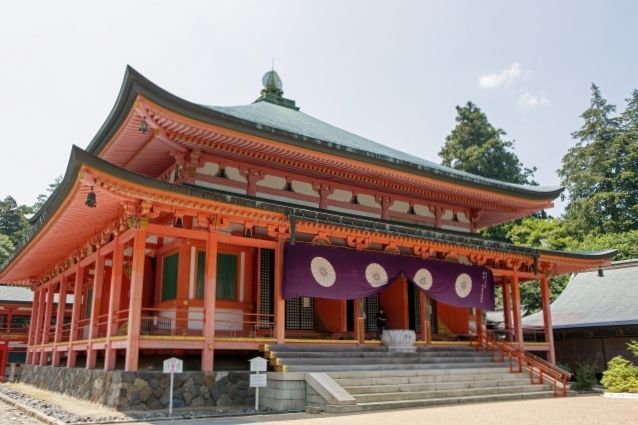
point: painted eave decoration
(55, 220)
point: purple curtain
(341, 273)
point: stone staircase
(377, 379)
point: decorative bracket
(358, 242)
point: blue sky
(392, 71)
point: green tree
(6, 247)
(13, 219)
(546, 233)
(601, 171)
(626, 243)
(43, 197)
(477, 147)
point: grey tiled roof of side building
(591, 300)
(296, 122)
(19, 294)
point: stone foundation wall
(285, 391)
(143, 390)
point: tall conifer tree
(601, 171)
(476, 146)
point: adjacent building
(595, 316)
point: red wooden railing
(540, 370)
(14, 329)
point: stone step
(492, 370)
(373, 388)
(359, 348)
(463, 392)
(325, 348)
(381, 360)
(424, 379)
(379, 354)
(385, 366)
(385, 405)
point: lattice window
(300, 313)
(371, 308)
(266, 286)
(418, 313)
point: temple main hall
(214, 232)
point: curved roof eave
(79, 157)
(135, 84)
(49, 208)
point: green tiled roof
(288, 125)
(265, 114)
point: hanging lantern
(288, 187)
(143, 126)
(91, 199)
(355, 199)
(179, 223)
(411, 210)
(221, 173)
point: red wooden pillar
(210, 291)
(40, 323)
(507, 310)
(479, 327)
(183, 286)
(115, 291)
(37, 336)
(280, 303)
(59, 320)
(547, 319)
(135, 301)
(39, 326)
(4, 354)
(48, 315)
(75, 314)
(518, 324)
(96, 302)
(32, 325)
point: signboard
(173, 365)
(258, 380)
(258, 364)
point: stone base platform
(143, 390)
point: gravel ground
(73, 411)
(579, 410)
(13, 416)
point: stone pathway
(13, 416)
(580, 410)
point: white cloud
(504, 78)
(528, 100)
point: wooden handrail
(538, 368)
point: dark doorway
(350, 315)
